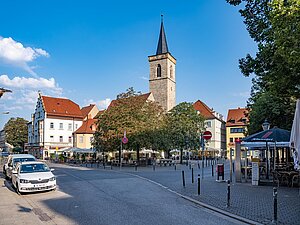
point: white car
(12, 162)
(33, 176)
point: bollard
(192, 175)
(153, 167)
(205, 161)
(85, 164)
(190, 166)
(183, 180)
(275, 204)
(228, 193)
(233, 167)
(103, 165)
(198, 165)
(135, 166)
(111, 165)
(98, 164)
(198, 184)
(212, 170)
(175, 166)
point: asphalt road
(95, 196)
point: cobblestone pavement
(251, 202)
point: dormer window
(158, 70)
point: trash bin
(220, 171)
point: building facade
(214, 123)
(236, 127)
(84, 135)
(52, 126)
(162, 81)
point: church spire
(162, 46)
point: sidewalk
(251, 202)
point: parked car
(4, 154)
(12, 162)
(33, 176)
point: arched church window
(158, 70)
(171, 71)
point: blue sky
(89, 51)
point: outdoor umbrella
(272, 135)
(295, 136)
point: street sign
(124, 140)
(207, 135)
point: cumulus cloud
(14, 53)
(25, 90)
(103, 104)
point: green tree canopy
(139, 117)
(16, 132)
(184, 126)
(275, 27)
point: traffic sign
(207, 135)
(124, 140)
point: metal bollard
(153, 167)
(183, 180)
(198, 184)
(135, 166)
(198, 165)
(111, 165)
(85, 164)
(228, 193)
(192, 175)
(98, 164)
(175, 166)
(212, 170)
(233, 167)
(275, 204)
(205, 162)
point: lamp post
(266, 126)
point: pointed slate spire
(162, 46)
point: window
(158, 70)
(76, 126)
(237, 130)
(208, 124)
(51, 138)
(51, 125)
(61, 139)
(69, 126)
(70, 139)
(61, 126)
(231, 140)
(171, 71)
(80, 139)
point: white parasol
(295, 136)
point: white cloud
(144, 78)
(102, 104)
(25, 91)
(16, 54)
(30, 83)
(245, 94)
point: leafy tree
(16, 132)
(130, 92)
(275, 27)
(184, 127)
(140, 118)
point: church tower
(162, 82)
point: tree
(16, 132)
(275, 27)
(130, 92)
(184, 127)
(139, 117)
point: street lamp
(266, 125)
(2, 91)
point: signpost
(206, 135)
(124, 140)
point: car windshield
(34, 168)
(16, 160)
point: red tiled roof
(142, 97)
(86, 127)
(61, 107)
(204, 110)
(85, 110)
(237, 117)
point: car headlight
(52, 179)
(24, 181)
